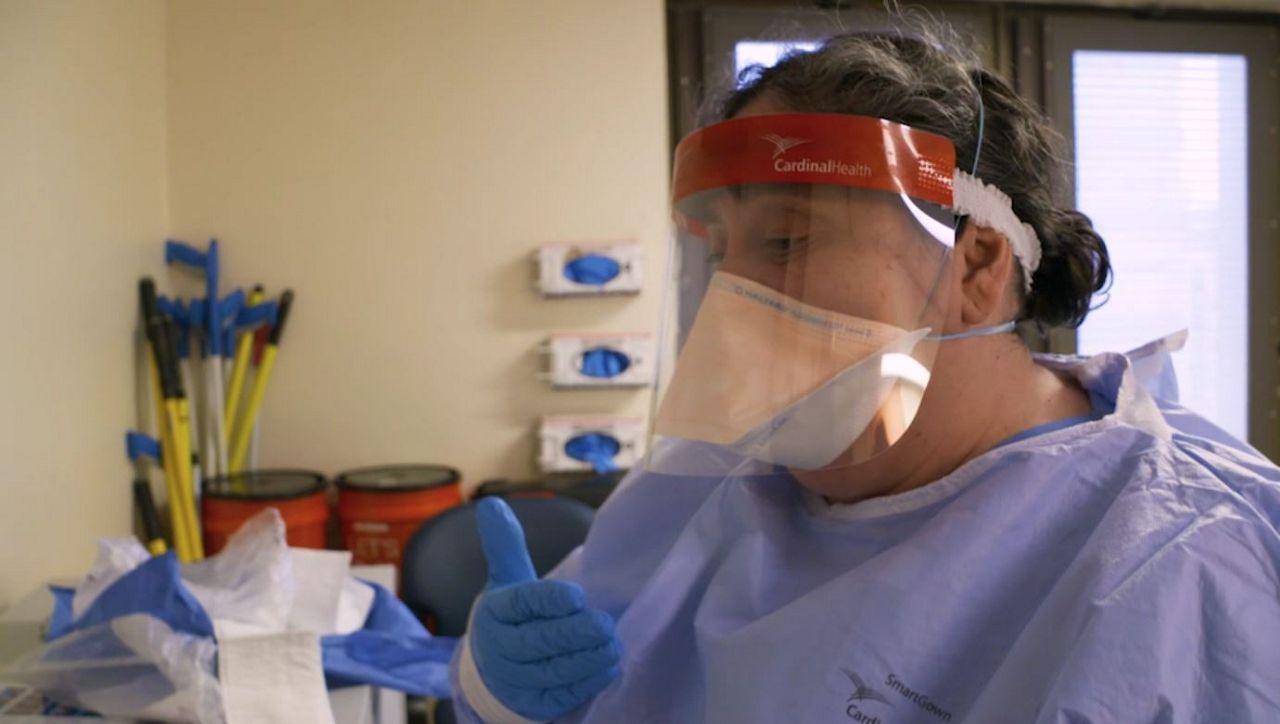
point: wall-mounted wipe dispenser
(599, 360)
(592, 269)
(586, 443)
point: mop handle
(139, 447)
(182, 449)
(161, 350)
(243, 432)
(244, 350)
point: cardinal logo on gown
(862, 692)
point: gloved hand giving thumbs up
(539, 650)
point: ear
(987, 275)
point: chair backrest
(443, 567)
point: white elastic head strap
(988, 206)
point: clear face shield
(829, 237)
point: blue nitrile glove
(596, 448)
(593, 269)
(538, 648)
(604, 363)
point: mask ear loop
(982, 132)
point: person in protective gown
(864, 498)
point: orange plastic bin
(379, 508)
(299, 495)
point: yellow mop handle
(173, 484)
(169, 461)
(187, 486)
(155, 392)
(175, 450)
(244, 433)
(244, 351)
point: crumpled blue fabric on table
(393, 651)
(60, 618)
(153, 588)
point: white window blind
(1161, 169)
(747, 53)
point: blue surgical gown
(1124, 569)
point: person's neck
(1028, 395)
(1003, 392)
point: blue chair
(442, 569)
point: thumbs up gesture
(538, 648)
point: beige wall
(82, 205)
(396, 163)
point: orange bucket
(380, 508)
(230, 500)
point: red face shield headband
(842, 150)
